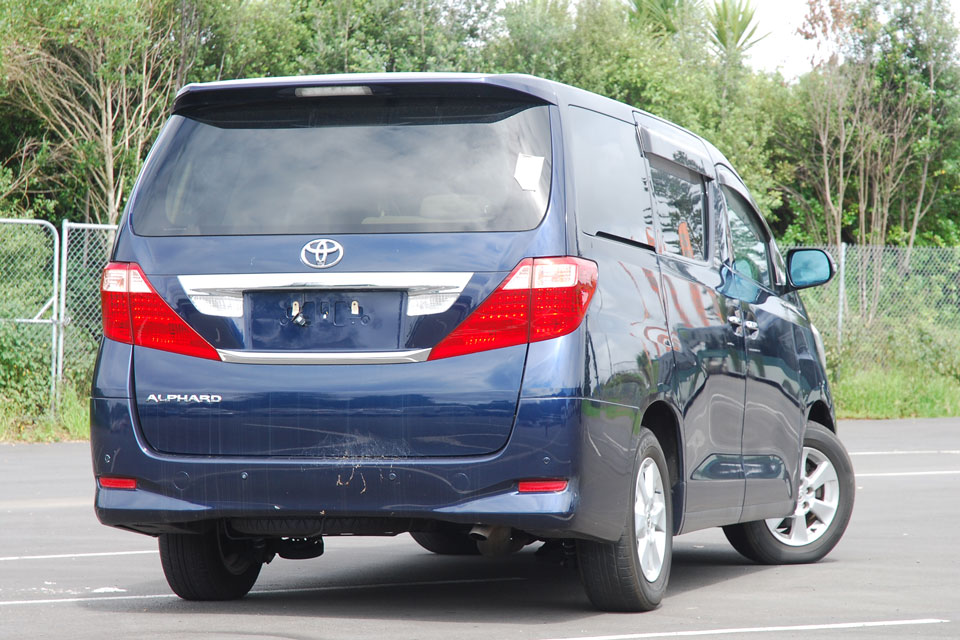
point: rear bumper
(548, 441)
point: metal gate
(29, 265)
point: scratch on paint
(342, 483)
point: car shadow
(522, 588)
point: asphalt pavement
(896, 573)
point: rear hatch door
(322, 246)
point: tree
(244, 38)
(925, 34)
(397, 35)
(732, 32)
(536, 37)
(98, 74)
(732, 28)
(669, 17)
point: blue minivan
(484, 310)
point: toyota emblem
(321, 253)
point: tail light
(134, 313)
(541, 299)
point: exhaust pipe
(497, 540)
(482, 532)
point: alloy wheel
(818, 498)
(650, 519)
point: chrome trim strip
(316, 357)
(418, 281)
(222, 294)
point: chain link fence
(86, 248)
(890, 307)
(28, 320)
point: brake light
(541, 299)
(134, 313)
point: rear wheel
(208, 566)
(631, 574)
(821, 513)
(447, 541)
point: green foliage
(397, 35)
(732, 29)
(668, 17)
(24, 370)
(70, 422)
(904, 361)
(25, 349)
(890, 372)
(537, 37)
(889, 392)
(225, 39)
(95, 75)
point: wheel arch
(662, 421)
(820, 412)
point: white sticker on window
(528, 171)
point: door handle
(751, 325)
(736, 321)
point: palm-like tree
(666, 16)
(732, 27)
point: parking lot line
(79, 555)
(347, 587)
(905, 474)
(39, 504)
(907, 452)
(742, 630)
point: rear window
(348, 165)
(611, 196)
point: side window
(750, 252)
(680, 208)
(609, 176)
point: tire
(631, 574)
(824, 505)
(447, 541)
(208, 566)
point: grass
(914, 392)
(70, 423)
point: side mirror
(809, 267)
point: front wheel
(208, 566)
(631, 574)
(821, 513)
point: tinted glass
(680, 199)
(366, 165)
(750, 254)
(609, 177)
